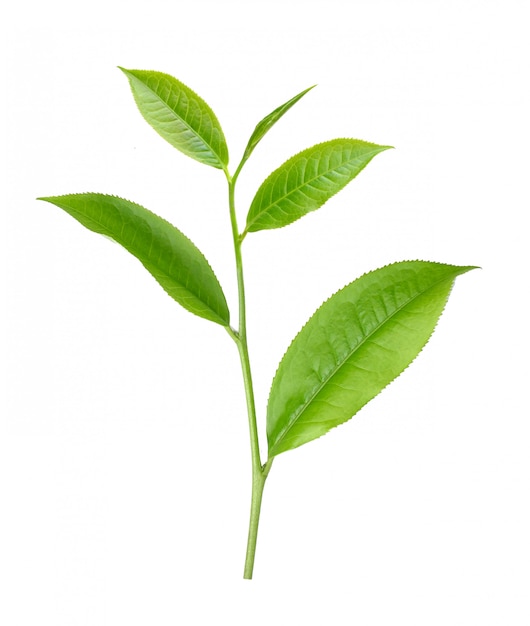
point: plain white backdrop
(124, 461)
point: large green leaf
(179, 115)
(356, 343)
(307, 180)
(164, 251)
(268, 122)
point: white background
(124, 462)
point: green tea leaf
(307, 180)
(164, 251)
(356, 343)
(268, 122)
(179, 115)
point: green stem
(259, 472)
(258, 482)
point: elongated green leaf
(164, 251)
(307, 180)
(268, 122)
(179, 115)
(356, 343)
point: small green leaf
(356, 343)
(174, 261)
(268, 122)
(307, 180)
(179, 115)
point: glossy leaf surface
(307, 180)
(173, 260)
(179, 115)
(356, 343)
(268, 122)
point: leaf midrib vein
(299, 187)
(184, 122)
(341, 363)
(196, 296)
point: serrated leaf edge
(380, 148)
(222, 164)
(465, 269)
(106, 195)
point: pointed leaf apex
(308, 180)
(263, 127)
(354, 345)
(179, 115)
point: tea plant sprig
(352, 347)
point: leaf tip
(127, 72)
(468, 268)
